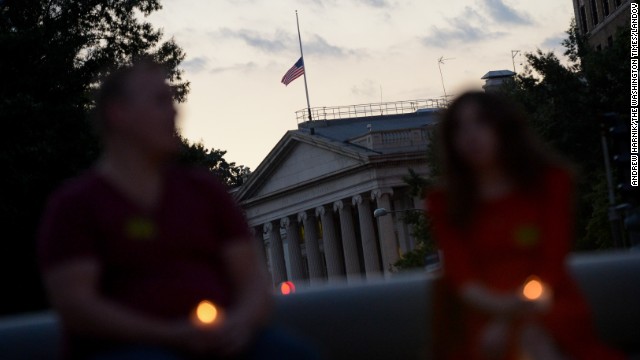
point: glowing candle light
(533, 289)
(206, 312)
(287, 288)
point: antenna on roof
(514, 53)
(441, 60)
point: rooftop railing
(374, 109)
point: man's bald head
(135, 105)
(116, 87)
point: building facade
(311, 201)
(599, 19)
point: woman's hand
(502, 304)
(497, 304)
(537, 344)
(493, 339)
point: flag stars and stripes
(295, 72)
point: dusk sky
(356, 51)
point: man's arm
(73, 291)
(253, 297)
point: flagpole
(306, 89)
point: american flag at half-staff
(298, 70)
(295, 72)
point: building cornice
(279, 153)
(377, 162)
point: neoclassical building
(311, 201)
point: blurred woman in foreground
(503, 216)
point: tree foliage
(419, 226)
(563, 101)
(54, 54)
(213, 160)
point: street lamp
(382, 211)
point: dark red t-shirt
(161, 263)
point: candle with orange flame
(206, 313)
(534, 289)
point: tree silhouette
(53, 55)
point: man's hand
(184, 336)
(232, 332)
(252, 293)
(225, 338)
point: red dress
(509, 239)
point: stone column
(403, 230)
(316, 272)
(278, 266)
(332, 251)
(388, 241)
(259, 239)
(418, 203)
(349, 244)
(296, 266)
(368, 234)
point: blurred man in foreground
(131, 247)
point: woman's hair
(520, 153)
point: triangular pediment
(305, 163)
(296, 162)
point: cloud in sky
(366, 89)
(371, 3)
(317, 45)
(554, 42)
(279, 42)
(463, 33)
(282, 42)
(195, 65)
(375, 3)
(324, 3)
(468, 26)
(503, 13)
(236, 67)
(473, 26)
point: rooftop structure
(373, 109)
(496, 78)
